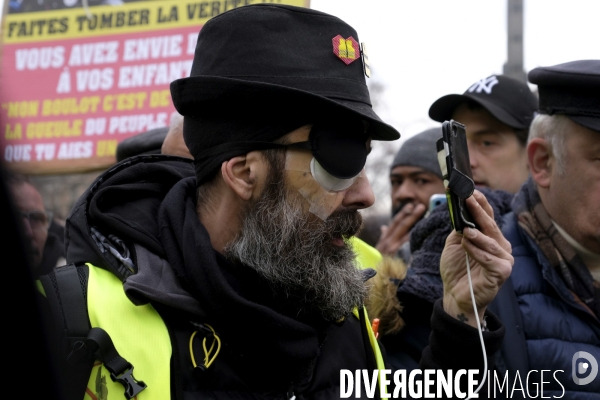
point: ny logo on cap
(484, 85)
(346, 49)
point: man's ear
(541, 161)
(241, 173)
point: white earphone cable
(485, 366)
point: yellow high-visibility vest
(366, 255)
(141, 337)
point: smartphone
(453, 156)
(436, 200)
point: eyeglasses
(38, 220)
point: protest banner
(75, 81)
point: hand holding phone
(453, 156)
(487, 248)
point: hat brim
(443, 108)
(592, 123)
(198, 94)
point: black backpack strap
(80, 344)
(72, 299)
(120, 369)
(66, 297)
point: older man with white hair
(551, 303)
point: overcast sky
(424, 49)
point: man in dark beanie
(497, 112)
(415, 176)
(234, 277)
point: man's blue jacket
(545, 323)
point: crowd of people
(219, 257)
(549, 304)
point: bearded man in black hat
(233, 277)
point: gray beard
(292, 250)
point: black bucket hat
(507, 99)
(273, 66)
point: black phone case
(459, 180)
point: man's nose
(27, 230)
(404, 192)
(472, 156)
(359, 195)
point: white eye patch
(328, 181)
(322, 202)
